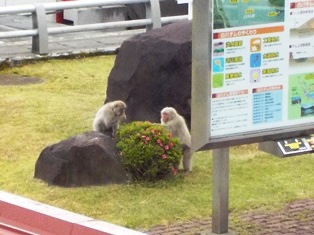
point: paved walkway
(296, 218)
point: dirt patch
(11, 80)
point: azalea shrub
(148, 151)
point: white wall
(5, 3)
(21, 2)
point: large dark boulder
(86, 159)
(153, 70)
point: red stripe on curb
(11, 230)
(38, 218)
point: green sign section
(236, 13)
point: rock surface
(153, 70)
(87, 159)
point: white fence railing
(40, 30)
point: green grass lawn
(34, 116)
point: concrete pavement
(14, 50)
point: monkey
(109, 116)
(178, 128)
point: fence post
(40, 41)
(153, 12)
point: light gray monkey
(110, 115)
(178, 128)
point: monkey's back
(103, 119)
(179, 129)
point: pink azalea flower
(171, 144)
(159, 141)
(174, 170)
(147, 138)
(164, 156)
(166, 147)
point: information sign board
(262, 65)
(260, 71)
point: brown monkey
(109, 116)
(178, 128)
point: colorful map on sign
(237, 13)
(301, 95)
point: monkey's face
(168, 114)
(119, 109)
(164, 117)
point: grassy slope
(34, 116)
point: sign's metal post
(220, 190)
(201, 66)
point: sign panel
(262, 65)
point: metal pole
(220, 190)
